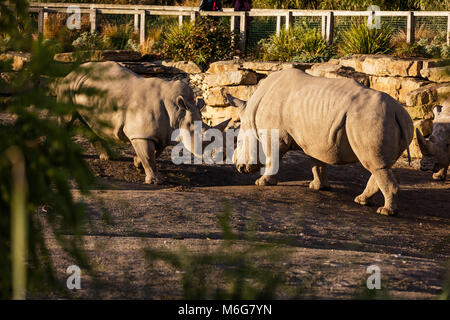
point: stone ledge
(99, 55)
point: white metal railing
(141, 11)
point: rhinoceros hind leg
(370, 190)
(145, 151)
(320, 181)
(389, 187)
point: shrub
(120, 37)
(203, 42)
(427, 46)
(360, 39)
(89, 41)
(152, 42)
(56, 30)
(300, 43)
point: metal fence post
(410, 26)
(288, 20)
(243, 30)
(93, 19)
(330, 27)
(142, 28)
(41, 21)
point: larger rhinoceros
(334, 121)
(122, 105)
(436, 148)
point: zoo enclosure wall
(265, 22)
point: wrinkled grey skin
(436, 149)
(144, 111)
(334, 121)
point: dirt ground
(332, 239)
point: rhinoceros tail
(406, 129)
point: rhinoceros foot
(158, 179)
(362, 200)
(317, 185)
(266, 181)
(387, 211)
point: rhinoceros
(334, 121)
(436, 148)
(121, 105)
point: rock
(268, 67)
(231, 78)
(355, 62)
(397, 87)
(215, 115)
(436, 74)
(380, 65)
(332, 70)
(98, 55)
(433, 63)
(420, 112)
(432, 93)
(147, 68)
(181, 66)
(217, 96)
(224, 66)
(18, 59)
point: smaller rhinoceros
(436, 148)
(143, 111)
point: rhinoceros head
(245, 155)
(188, 113)
(435, 155)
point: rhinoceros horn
(235, 102)
(423, 144)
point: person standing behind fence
(211, 5)
(242, 5)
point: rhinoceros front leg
(370, 190)
(270, 175)
(320, 181)
(145, 151)
(389, 187)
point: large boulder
(431, 94)
(437, 74)
(231, 78)
(332, 70)
(18, 59)
(380, 65)
(397, 87)
(215, 115)
(217, 96)
(189, 67)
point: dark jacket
(242, 5)
(211, 5)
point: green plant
(301, 43)
(360, 39)
(203, 42)
(89, 41)
(52, 164)
(119, 37)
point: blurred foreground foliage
(239, 268)
(53, 161)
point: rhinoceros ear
(235, 102)
(436, 111)
(181, 104)
(423, 144)
(201, 104)
(221, 126)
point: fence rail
(236, 18)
